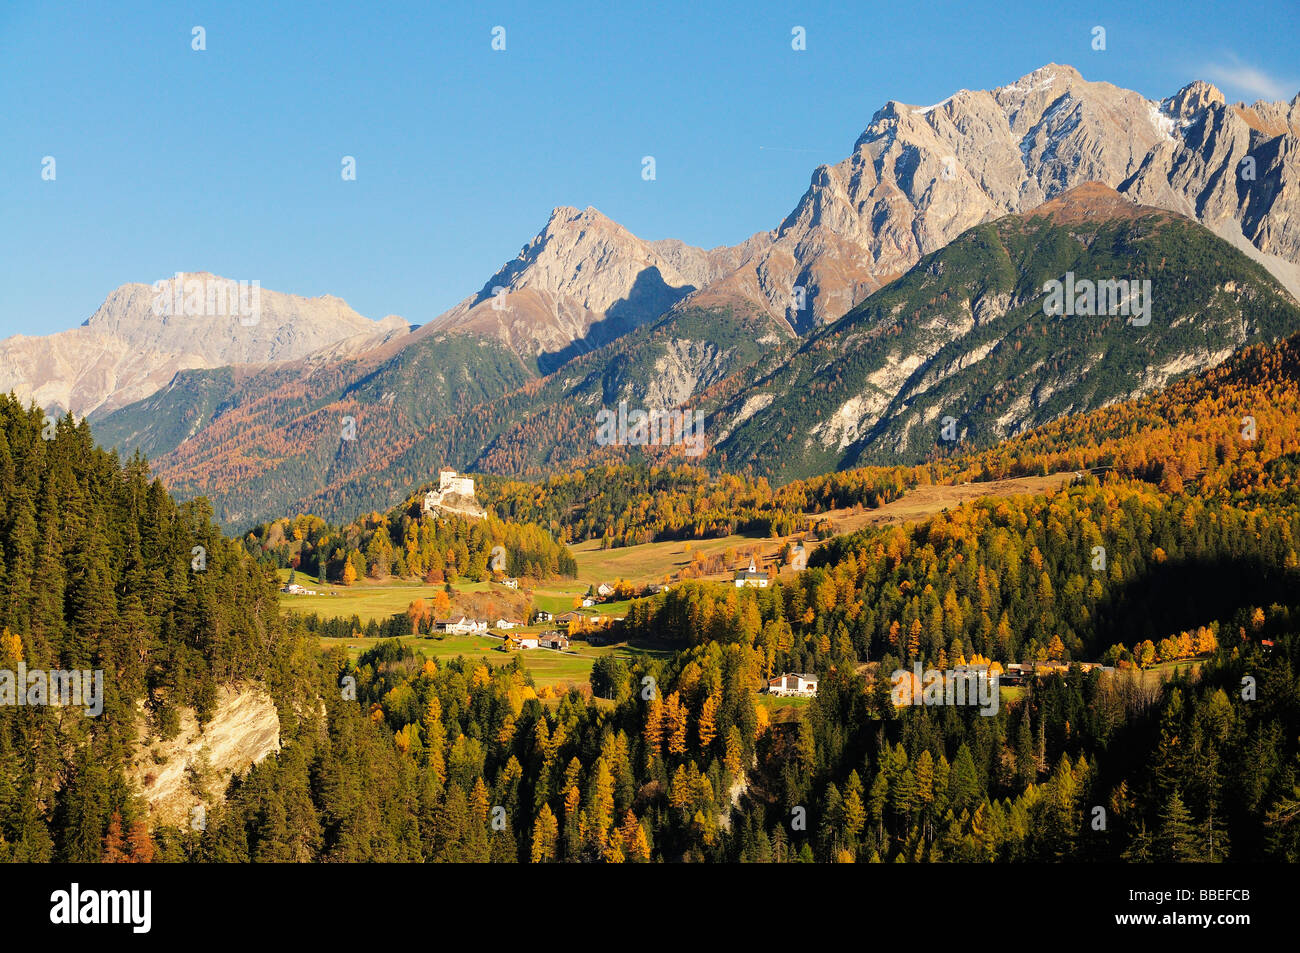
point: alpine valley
(1012, 395)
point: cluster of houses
(294, 589)
(1014, 673)
(464, 625)
(604, 592)
(567, 618)
(546, 640)
(558, 638)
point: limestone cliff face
(192, 770)
(127, 349)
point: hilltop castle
(449, 482)
(455, 494)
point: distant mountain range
(130, 347)
(917, 178)
(904, 287)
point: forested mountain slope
(965, 336)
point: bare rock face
(192, 770)
(919, 176)
(138, 339)
(585, 280)
(582, 281)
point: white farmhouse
(461, 625)
(793, 683)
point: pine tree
(1176, 842)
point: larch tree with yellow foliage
(546, 831)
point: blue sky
(229, 160)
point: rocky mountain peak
(1192, 100)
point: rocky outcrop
(182, 778)
(581, 282)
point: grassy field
(777, 702)
(1161, 672)
(649, 562)
(923, 502)
(781, 711)
(369, 600)
(378, 601)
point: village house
(507, 624)
(974, 673)
(604, 590)
(544, 616)
(588, 602)
(567, 617)
(751, 577)
(793, 683)
(460, 626)
(296, 590)
(1017, 672)
(1012, 674)
(524, 640)
(510, 583)
(553, 640)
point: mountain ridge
(136, 341)
(917, 177)
(963, 329)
